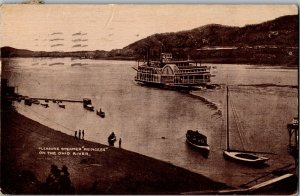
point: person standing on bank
(83, 134)
(120, 142)
(79, 134)
(75, 134)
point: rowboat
(197, 141)
(100, 113)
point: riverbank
(27, 156)
(255, 56)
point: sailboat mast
(227, 120)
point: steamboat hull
(169, 86)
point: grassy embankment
(113, 171)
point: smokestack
(148, 53)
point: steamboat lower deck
(186, 74)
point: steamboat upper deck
(167, 71)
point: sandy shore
(27, 156)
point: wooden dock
(242, 191)
(57, 100)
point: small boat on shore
(19, 99)
(27, 101)
(87, 104)
(100, 113)
(61, 105)
(197, 140)
(76, 64)
(59, 63)
(89, 107)
(86, 101)
(35, 101)
(245, 157)
(45, 105)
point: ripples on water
(141, 116)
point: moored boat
(19, 99)
(45, 105)
(89, 107)
(61, 105)
(28, 101)
(87, 104)
(244, 157)
(197, 140)
(100, 113)
(35, 101)
(239, 156)
(86, 101)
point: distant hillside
(271, 42)
(9, 52)
(282, 31)
(275, 40)
(13, 52)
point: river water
(142, 116)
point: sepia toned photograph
(159, 99)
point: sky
(58, 27)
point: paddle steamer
(168, 73)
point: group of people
(57, 182)
(80, 134)
(111, 138)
